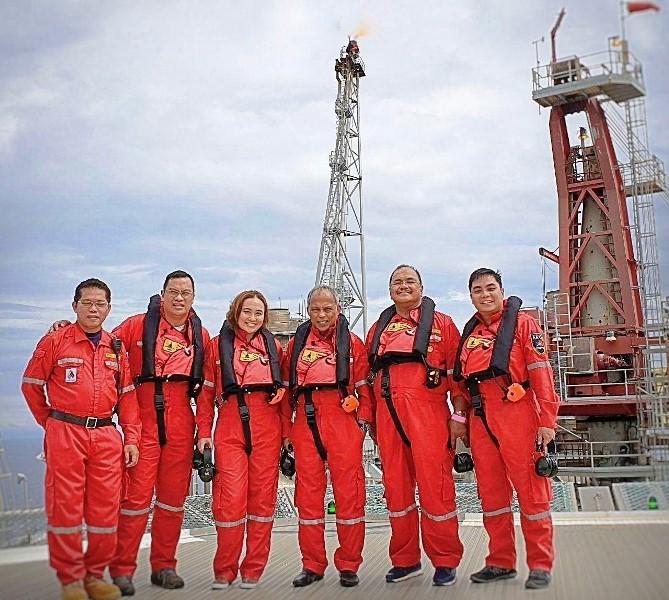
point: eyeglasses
(99, 304)
(407, 282)
(185, 294)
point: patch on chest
(71, 375)
(538, 343)
(246, 356)
(398, 326)
(172, 346)
(474, 342)
(310, 355)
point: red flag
(633, 7)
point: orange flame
(362, 30)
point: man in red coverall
(325, 366)
(87, 378)
(411, 351)
(505, 437)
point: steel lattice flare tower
(341, 265)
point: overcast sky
(141, 137)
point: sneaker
(443, 576)
(248, 584)
(74, 591)
(348, 579)
(490, 573)
(167, 579)
(220, 584)
(124, 583)
(538, 579)
(99, 589)
(397, 574)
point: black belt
(87, 422)
(310, 413)
(387, 396)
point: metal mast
(339, 266)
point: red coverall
(514, 424)
(342, 439)
(83, 466)
(424, 415)
(245, 486)
(166, 470)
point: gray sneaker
(124, 583)
(538, 580)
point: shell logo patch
(170, 346)
(473, 342)
(398, 326)
(246, 356)
(310, 355)
(538, 343)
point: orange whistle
(278, 396)
(515, 392)
(350, 403)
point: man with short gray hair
(326, 368)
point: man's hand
(286, 443)
(202, 443)
(545, 435)
(131, 453)
(458, 431)
(56, 325)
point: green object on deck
(652, 503)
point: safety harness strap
(387, 396)
(310, 413)
(245, 417)
(159, 404)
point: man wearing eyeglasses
(411, 350)
(87, 378)
(166, 349)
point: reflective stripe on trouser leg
(495, 493)
(172, 484)
(538, 532)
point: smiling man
(411, 352)
(87, 378)
(503, 362)
(326, 367)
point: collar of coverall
(493, 318)
(80, 336)
(325, 335)
(191, 312)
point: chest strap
(310, 414)
(388, 397)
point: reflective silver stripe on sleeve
(140, 343)
(260, 519)
(70, 361)
(311, 521)
(538, 365)
(208, 383)
(538, 516)
(168, 507)
(135, 513)
(449, 372)
(34, 381)
(230, 523)
(94, 529)
(63, 530)
(351, 521)
(361, 383)
(496, 513)
(127, 388)
(445, 517)
(402, 513)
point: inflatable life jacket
(149, 337)
(342, 352)
(270, 380)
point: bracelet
(458, 418)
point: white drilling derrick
(342, 265)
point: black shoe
(124, 583)
(167, 579)
(397, 574)
(348, 579)
(443, 576)
(538, 580)
(305, 578)
(490, 573)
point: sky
(141, 137)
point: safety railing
(613, 383)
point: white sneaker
(248, 584)
(220, 584)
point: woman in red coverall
(245, 484)
(505, 438)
